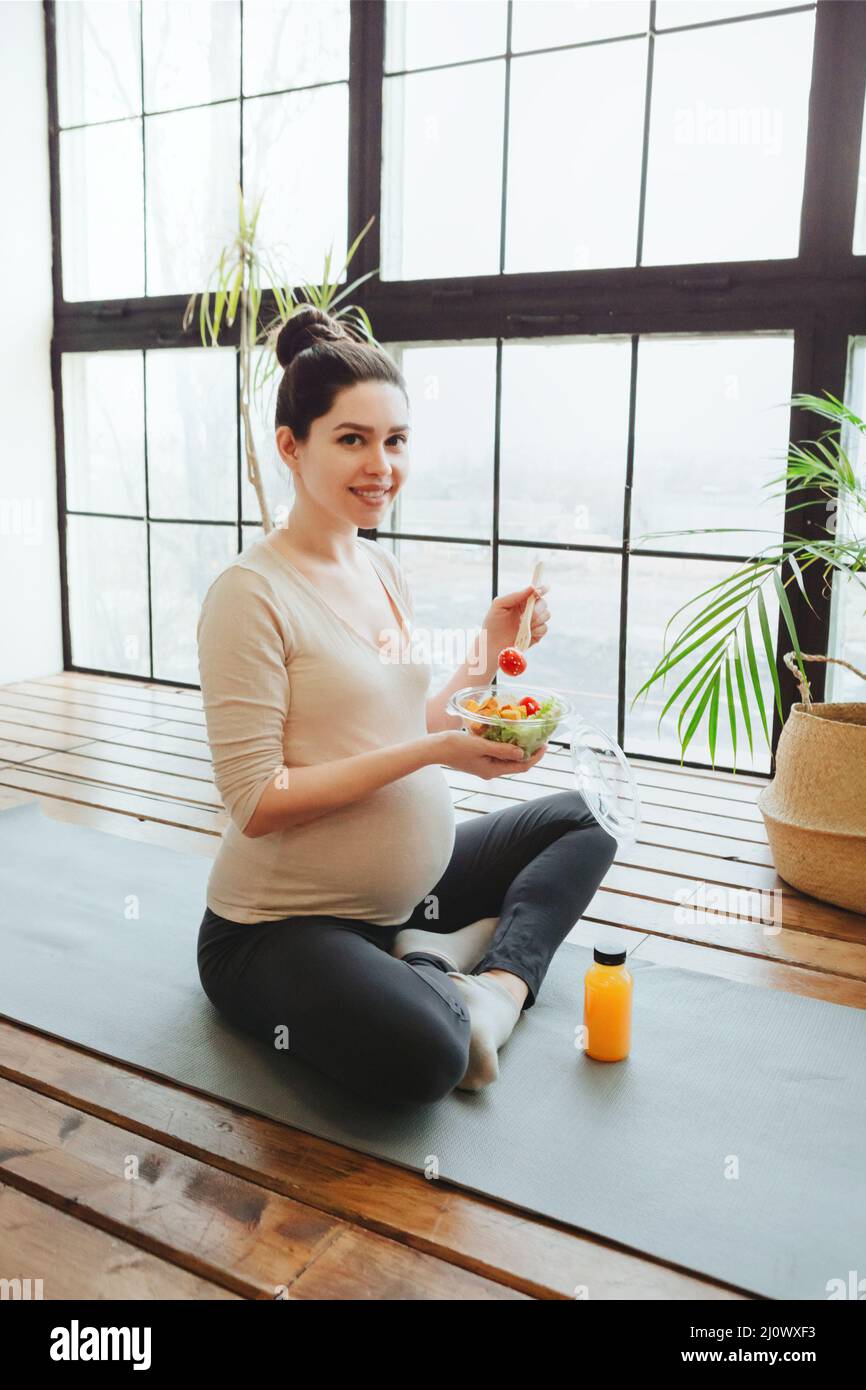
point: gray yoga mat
(722, 1077)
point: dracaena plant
(721, 636)
(238, 279)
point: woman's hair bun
(307, 326)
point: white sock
(493, 1012)
(462, 949)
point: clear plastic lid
(606, 780)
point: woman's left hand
(499, 628)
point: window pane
(656, 589)
(192, 458)
(564, 440)
(183, 562)
(574, 158)
(711, 428)
(848, 604)
(106, 565)
(276, 475)
(579, 655)
(291, 143)
(847, 636)
(102, 211)
(192, 196)
(191, 52)
(451, 592)
(452, 395)
(98, 61)
(670, 12)
(441, 151)
(859, 247)
(427, 32)
(288, 43)
(103, 427)
(728, 141)
(547, 23)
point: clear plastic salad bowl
(604, 776)
(528, 733)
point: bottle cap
(608, 953)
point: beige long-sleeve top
(286, 681)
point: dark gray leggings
(398, 1030)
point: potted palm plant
(814, 808)
(238, 279)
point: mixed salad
(525, 722)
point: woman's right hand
(483, 757)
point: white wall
(30, 633)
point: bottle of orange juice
(607, 994)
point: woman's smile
(372, 496)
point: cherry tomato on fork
(512, 661)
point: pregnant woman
(346, 912)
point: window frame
(819, 296)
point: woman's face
(357, 456)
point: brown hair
(320, 356)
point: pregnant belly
(374, 859)
(378, 857)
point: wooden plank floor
(240, 1206)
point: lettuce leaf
(528, 734)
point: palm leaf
(753, 671)
(695, 721)
(769, 648)
(348, 289)
(708, 614)
(831, 408)
(363, 316)
(666, 665)
(789, 623)
(353, 248)
(683, 683)
(750, 568)
(703, 684)
(732, 716)
(220, 303)
(798, 574)
(741, 687)
(235, 294)
(714, 717)
(252, 231)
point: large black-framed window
(810, 303)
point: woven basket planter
(814, 808)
